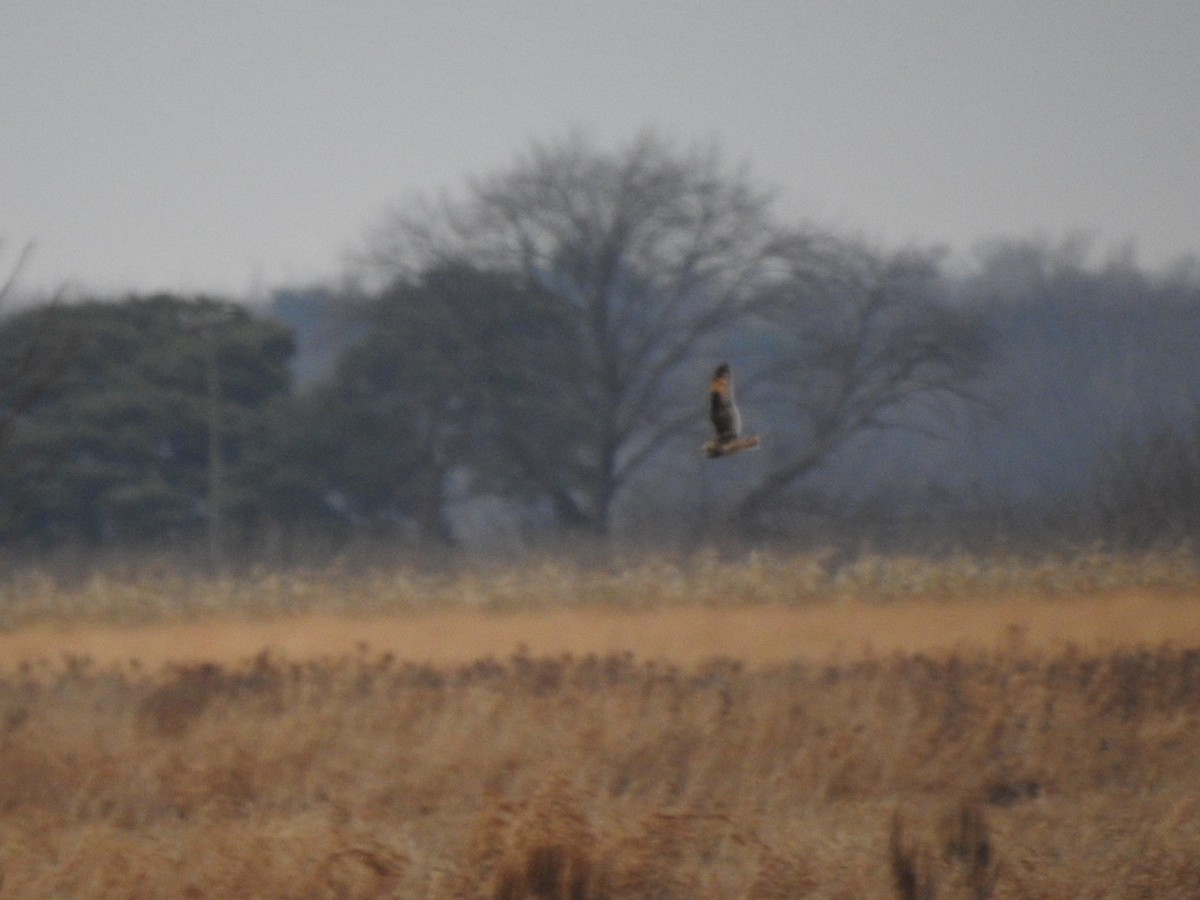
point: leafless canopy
(649, 249)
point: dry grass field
(766, 728)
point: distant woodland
(525, 365)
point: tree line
(530, 364)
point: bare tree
(863, 344)
(649, 251)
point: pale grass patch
(154, 592)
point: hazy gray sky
(237, 146)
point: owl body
(725, 418)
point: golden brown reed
(763, 609)
(1007, 773)
(782, 728)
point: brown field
(758, 729)
(756, 635)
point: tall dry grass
(1010, 773)
(146, 591)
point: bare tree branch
(869, 350)
(650, 251)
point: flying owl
(726, 420)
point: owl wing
(723, 413)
